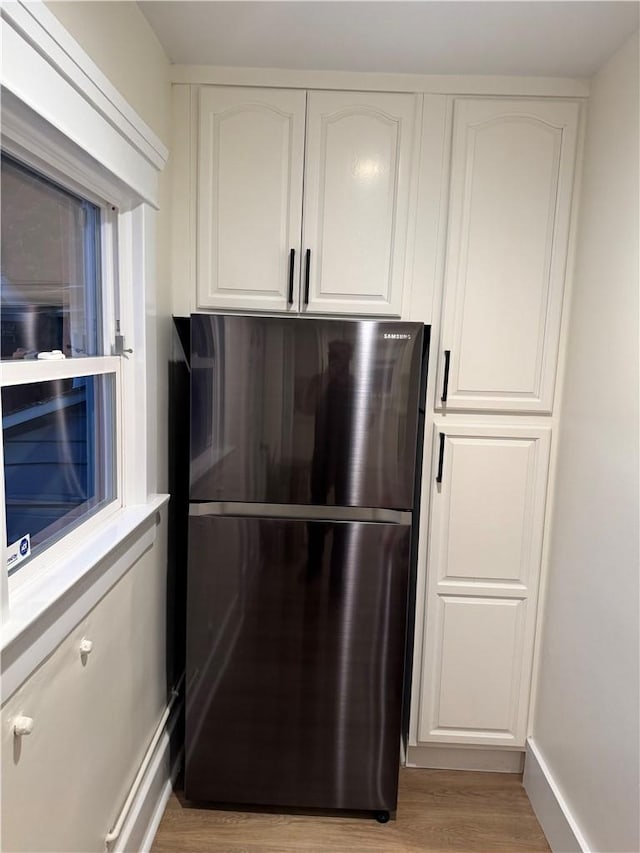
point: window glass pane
(59, 457)
(50, 267)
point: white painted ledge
(45, 611)
(551, 808)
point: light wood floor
(438, 811)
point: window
(59, 390)
(80, 198)
(50, 263)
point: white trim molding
(63, 117)
(439, 84)
(549, 804)
(40, 57)
(465, 758)
(139, 829)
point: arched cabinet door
(249, 197)
(359, 171)
(512, 172)
(486, 528)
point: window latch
(119, 348)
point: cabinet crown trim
(443, 84)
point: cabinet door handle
(440, 458)
(292, 257)
(445, 384)
(306, 276)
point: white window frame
(62, 117)
(33, 371)
(20, 372)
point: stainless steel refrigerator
(304, 447)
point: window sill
(43, 612)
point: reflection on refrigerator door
(295, 656)
(304, 411)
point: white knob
(22, 726)
(85, 646)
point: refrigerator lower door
(295, 645)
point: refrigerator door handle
(301, 511)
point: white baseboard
(550, 806)
(147, 809)
(465, 758)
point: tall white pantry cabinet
(510, 197)
(452, 210)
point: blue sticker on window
(18, 551)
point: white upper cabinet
(359, 170)
(512, 168)
(249, 197)
(341, 249)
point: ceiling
(568, 39)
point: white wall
(63, 786)
(118, 38)
(586, 723)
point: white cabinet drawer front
(487, 514)
(250, 154)
(476, 686)
(357, 189)
(511, 185)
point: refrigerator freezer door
(295, 647)
(304, 411)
